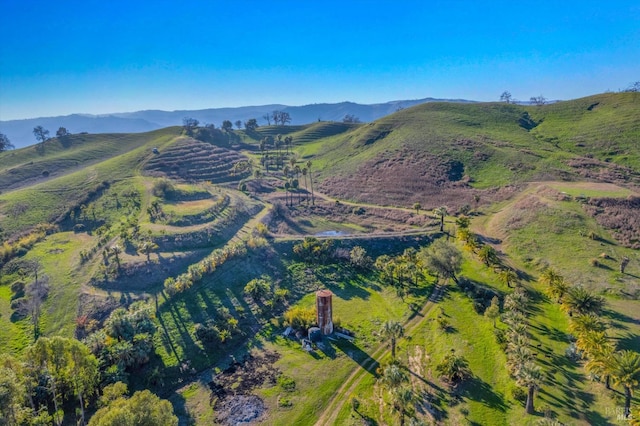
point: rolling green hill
(441, 148)
(187, 226)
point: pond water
(330, 234)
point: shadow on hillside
(478, 390)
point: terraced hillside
(192, 160)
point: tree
(392, 330)
(350, 118)
(402, 398)
(116, 250)
(442, 258)
(633, 87)
(267, 118)
(257, 288)
(580, 301)
(189, 124)
(142, 409)
(417, 207)
(238, 124)
(599, 351)
(441, 212)
(488, 255)
(83, 372)
(147, 247)
(538, 100)
(309, 164)
(505, 97)
(251, 124)
(453, 367)
(41, 134)
(12, 390)
(507, 276)
(393, 376)
(358, 257)
(285, 118)
(581, 324)
(623, 264)
(62, 132)
(227, 126)
(529, 376)
(5, 143)
(625, 371)
(493, 311)
(36, 294)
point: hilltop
(20, 132)
(222, 234)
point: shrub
(163, 188)
(286, 383)
(300, 318)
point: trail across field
(340, 397)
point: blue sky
(62, 57)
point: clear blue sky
(62, 57)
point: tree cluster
(350, 118)
(592, 342)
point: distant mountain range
(20, 132)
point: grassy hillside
(454, 146)
(190, 226)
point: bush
(163, 188)
(17, 288)
(286, 383)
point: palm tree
(304, 173)
(441, 212)
(600, 352)
(582, 324)
(454, 368)
(313, 200)
(488, 255)
(507, 276)
(393, 376)
(580, 301)
(625, 371)
(529, 376)
(285, 172)
(116, 250)
(548, 276)
(557, 288)
(402, 398)
(392, 330)
(296, 169)
(517, 357)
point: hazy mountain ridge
(20, 132)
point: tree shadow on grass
(358, 355)
(620, 316)
(629, 342)
(478, 390)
